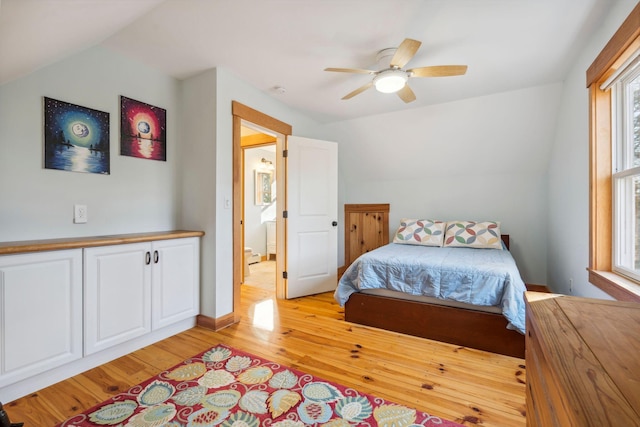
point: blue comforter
(487, 277)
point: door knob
(334, 223)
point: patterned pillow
(473, 234)
(425, 232)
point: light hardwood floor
(262, 275)
(464, 385)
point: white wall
(198, 167)
(568, 233)
(206, 119)
(478, 159)
(187, 191)
(138, 196)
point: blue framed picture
(75, 138)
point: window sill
(615, 285)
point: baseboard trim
(215, 324)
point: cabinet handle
(147, 258)
(156, 257)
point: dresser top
(7, 248)
(593, 347)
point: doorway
(306, 186)
(259, 209)
(277, 131)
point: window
(625, 113)
(614, 186)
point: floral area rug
(227, 387)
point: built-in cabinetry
(40, 312)
(135, 288)
(271, 239)
(67, 310)
(582, 361)
(366, 228)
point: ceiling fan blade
(405, 52)
(438, 71)
(350, 70)
(406, 94)
(358, 91)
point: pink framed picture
(143, 130)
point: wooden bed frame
(459, 326)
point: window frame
(601, 225)
(624, 172)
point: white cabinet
(132, 289)
(40, 312)
(117, 294)
(271, 238)
(78, 303)
(175, 286)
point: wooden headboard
(505, 239)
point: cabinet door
(117, 294)
(41, 312)
(176, 281)
(271, 239)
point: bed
(464, 295)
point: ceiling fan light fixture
(391, 76)
(390, 81)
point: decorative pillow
(424, 232)
(473, 234)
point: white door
(312, 207)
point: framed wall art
(143, 131)
(76, 138)
(263, 181)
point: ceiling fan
(394, 78)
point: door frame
(242, 113)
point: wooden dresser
(366, 228)
(583, 361)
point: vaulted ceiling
(507, 44)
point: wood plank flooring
(464, 385)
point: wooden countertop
(26, 246)
(591, 347)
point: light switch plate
(80, 214)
